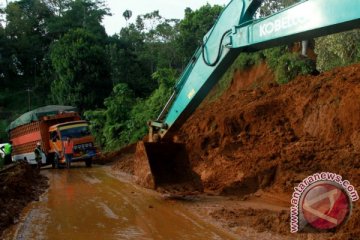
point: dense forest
(57, 52)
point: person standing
(7, 149)
(68, 151)
(38, 155)
(2, 155)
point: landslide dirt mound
(123, 159)
(278, 222)
(261, 135)
(18, 186)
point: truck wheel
(88, 162)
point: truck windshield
(74, 132)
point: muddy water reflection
(90, 204)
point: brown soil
(274, 136)
(126, 156)
(262, 137)
(260, 216)
(237, 217)
(19, 185)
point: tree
(159, 36)
(133, 38)
(337, 50)
(127, 68)
(109, 124)
(123, 120)
(81, 70)
(272, 6)
(193, 28)
(26, 32)
(149, 109)
(76, 14)
(58, 7)
(118, 107)
(3, 65)
(161, 43)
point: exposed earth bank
(19, 185)
(261, 135)
(260, 139)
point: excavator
(159, 161)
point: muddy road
(84, 203)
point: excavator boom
(238, 31)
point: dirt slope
(262, 135)
(18, 186)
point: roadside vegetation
(57, 52)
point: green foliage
(85, 14)
(272, 6)
(126, 67)
(58, 7)
(123, 120)
(97, 120)
(108, 124)
(3, 133)
(287, 65)
(337, 50)
(82, 74)
(25, 44)
(148, 109)
(194, 26)
(133, 38)
(272, 56)
(158, 36)
(118, 107)
(25, 63)
(291, 65)
(3, 64)
(246, 60)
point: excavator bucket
(165, 166)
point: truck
(238, 29)
(51, 125)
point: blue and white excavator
(161, 162)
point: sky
(167, 9)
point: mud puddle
(84, 203)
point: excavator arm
(159, 162)
(237, 31)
